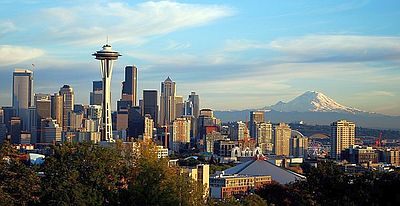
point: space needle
(106, 57)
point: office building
(206, 113)
(15, 130)
(281, 139)
(298, 144)
(180, 134)
(226, 186)
(57, 108)
(357, 154)
(195, 102)
(264, 137)
(150, 105)
(135, 123)
(51, 131)
(201, 174)
(179, 106)
(68, 96)
(22, 96)
(167, 102)
(129, 86)
(342, 137)
(96, 95)
(238, 130)
(390, 156)
(148, 127)
(255, 118)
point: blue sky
(235, 54)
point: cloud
(16, 54)
(7, 27)
(339, 48)
(376, 93)
(124, 23)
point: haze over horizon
(260, 51)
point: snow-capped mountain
(312, 101)
(315, 108)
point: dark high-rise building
(22, 97)
(192, 107)
(96, 96)
(68, 103)
(150, 105)
(43, 111)
(135, 123)
(15, 130)
(9, 112)
(129, 86)
(195, 100)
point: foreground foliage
(328, 185)
(88, 174)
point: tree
(152, 181)
(19, 184)
(82, 174)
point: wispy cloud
(7, 27)
(124, 23)
(339, 48)
(16, 54)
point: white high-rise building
(281, 139)
(22, 96)
(264, 136)
(342, 137)
(167, 102)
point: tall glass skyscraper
(129, 86)
(150, 105)
(68, 103)
(167, 102)
(22, 94)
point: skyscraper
(148, 127)
(135, 123)
(281, 139)
(43, 111)
(67, 94)
(96, 95)
(129, 86)
(264, 137)
(180, 133)
(167, 102)
(150, 105)
(342, 137)
(179, 106)
(106, 57)
(57, 108)
(238, 130)
(194, 98)
(22, 97)
(255, 117)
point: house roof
(261, 168)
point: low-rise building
(224, 186)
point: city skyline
(278, 51)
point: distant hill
(316, 108)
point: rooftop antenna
(107, 39)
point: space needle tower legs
(106, 57)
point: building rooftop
(259, 167)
